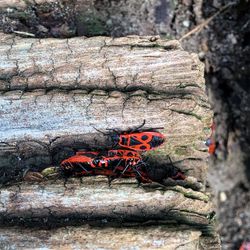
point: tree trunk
(51, 203)
(56, 93)
(63, 90)
(115, 213)
(226, 49)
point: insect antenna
(153, 129)
(142, 125)
(106, 134)
(114, 130)
(145, 129)
(137, 128)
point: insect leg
(81, 181)
(114, 145)
(138, 182)
(71, 165)
(170, 160)
(117, 165)
(138, 172)
(110, 179)
(65, 182)
(125, 169)
(80, 165)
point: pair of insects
(124, 159)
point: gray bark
(86, 237)
(124, 213)
(94, 200)
(56, 92)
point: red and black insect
(111, 163)
(245, 246)
(210, 141)
(137, 139)
(125, 161)
(118, 164)
(80, 164)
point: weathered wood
(53, 94)
(56, 92)
(13, 3)
(100, 63)
(160, 237)
(53, 204)
(122, 215)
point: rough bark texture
(144, 217)
(161, 237)
(62, 90)
(224, 44)
(51, 204)
(100, 63)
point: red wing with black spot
(111, 163)
(77, 165)
(141, 141)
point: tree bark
(86, 237)
(93, 200)
(115, 213)
(56, 93)
(63, 90)
(51, 18)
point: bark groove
(56, 93)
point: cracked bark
(121, 203)
(61, 90)
(46, 120)
(121, 210)
(54, 93)
(105, 238)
